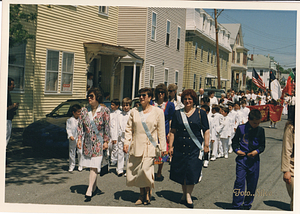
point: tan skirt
(140, 172)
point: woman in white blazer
(140, 166)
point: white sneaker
(124, 174)
(220, 155)
(200, 177)
(80, 168)
(230, 150)
(213, 158)
(226, 156)
(270, 126)
(71, 169)
(205, 164)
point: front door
(128, 81)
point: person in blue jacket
(248, 143)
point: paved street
(46, 180)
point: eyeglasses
(143, 95)
(91, 96)
(160, 92)
(170, 91)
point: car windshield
(61, 111)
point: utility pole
(217, 47)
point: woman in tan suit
(140, 166)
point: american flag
(257, 80)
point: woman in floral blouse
(95, 137)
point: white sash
(189, 130)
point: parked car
(50, 132)
(218, 92)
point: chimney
(251, 57)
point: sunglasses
(91, 96)
(170, 91)
(160, 92)
(143, 95)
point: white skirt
(92, 162)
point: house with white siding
(157, 35)
(200, 60)
(69, 42)
(262, 65)
(238, 57)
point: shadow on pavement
(172, 196)
(223, 205)
(127, 195)
(278, 204)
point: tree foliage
(17, 33)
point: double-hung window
(67, 72)
(16, 67)
(168, 33)
(151, 82)
(166, 77)
(194, 82)
(178, 37)
(153, 30)
(196, 50)
(52, 69)
(208, 52)
(212, 57)
(103, 10)
(201, 53)
(176, 77)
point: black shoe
(121, 174)
(95, 192)
(246, 207)
(189, 205)
(182, 201)
(87, 198)
(161, 178)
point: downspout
(34, 55)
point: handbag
(157, 146)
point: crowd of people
(187, 130)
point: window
(201, 53)
(103, 10)
(176, 77)
(151, 76)
(215, 62)
(212, 57)
(203, 26)
(226, 65)
(16, 65)
(67, 72)
(194, 84)
(238, 59)
(200, 81)
(233, 56)
(261, 73)
(52, 71)
(244, 58)
(208, 55)
(168, 33)
(221, 59)
(196, 50)
(210, 26)
(238, 39)
(178, 38)
(153, 31)
(166, 77)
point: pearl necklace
(190, 112)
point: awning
(92, 49)
(222, 79)
(209, 76)
(238, 67)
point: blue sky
(266, 32)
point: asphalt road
(44, 179)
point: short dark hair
(75, 108)
(190, 92)
(127, 100)
(226, 109)
(216, 108)
(243, 102)
(205, 99)
(147, 90)
(116, 102)
(237, 103)
(254, 114)
(97, 93)
(210, 92)
(161, 87)
(9, 81)
(206, 107)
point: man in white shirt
(213, 99)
